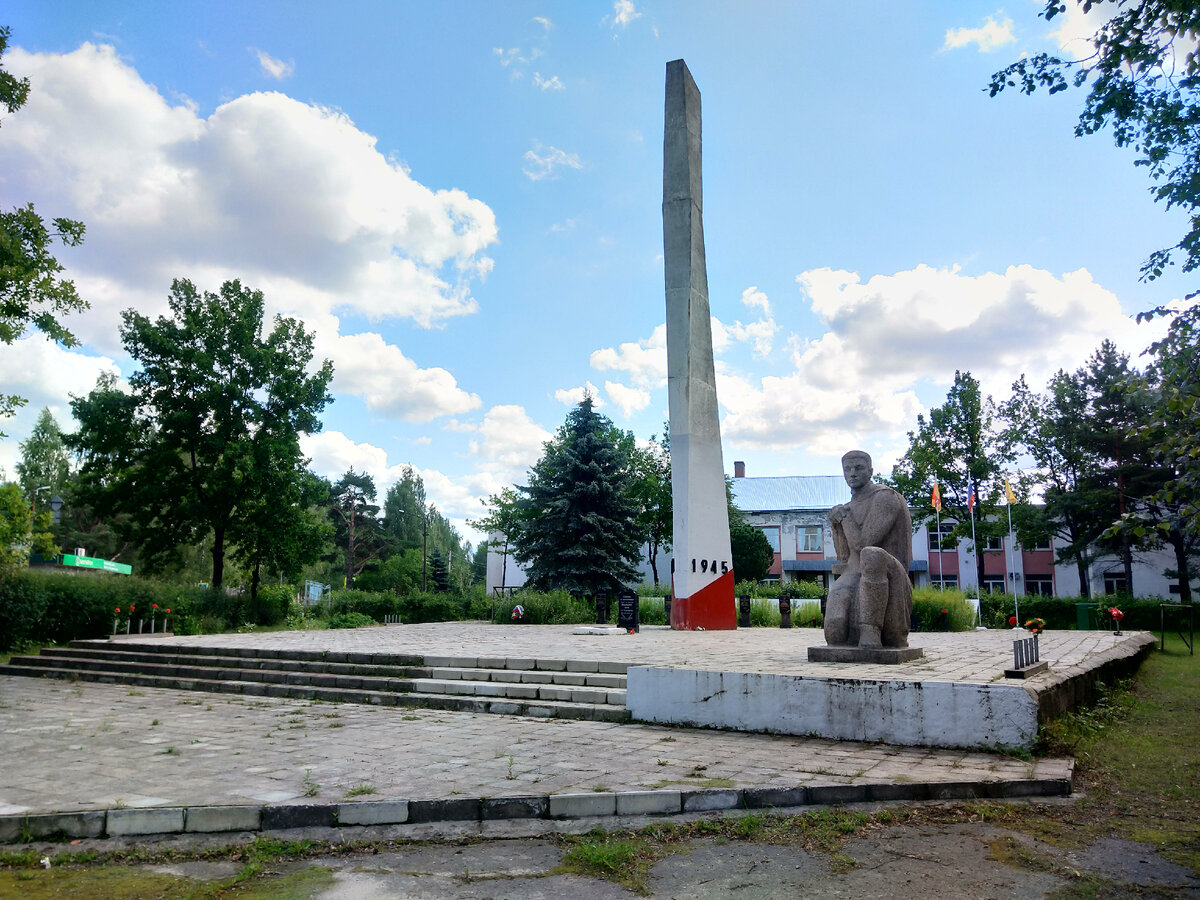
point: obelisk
(702, 573)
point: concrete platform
(757, 679)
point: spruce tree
(438, 572)
(578, 531)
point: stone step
(601, 667)
(106, 650)
(241, 662)
(236, 671)
(605, 712)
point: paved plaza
(82, 746)
(977, 657)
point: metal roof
(789, 492)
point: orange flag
(937, 498)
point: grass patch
(626, 857)
(360, 790)
(1138, 761)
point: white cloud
(509, 443)
(291, 198)
(547, 84)
(391, 383)
(46, 375)
(645, 361)
(274, 68)
(624, 13)
(539, 164)
(857, 383)
(508, 56)
(761, 333)
(575, 395)
(987, 37)
(544, 22)
(1073, 28)
(333, 453)
(630, 400)
(753, 298)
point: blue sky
(463, 200)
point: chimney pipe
(739, 469)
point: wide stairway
(564, 689)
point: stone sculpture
(870, 605)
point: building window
(1039, 585)
(944, 581)
(808, 539)
(947, 544)
(1042, 543)
(1114, 583)
(995, 543)
(995, 585)
(772, 536)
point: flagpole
(1012, 574)
(936, 500)
(1012, 550)
(941, 577)
(974, 542)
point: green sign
(91, 562)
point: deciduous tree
(32, 289)
(751, 551)
(214, 400)
(44, 461)
(959, 445)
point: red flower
(1012, 620)
(154, 606)
(945, 612)
(168, 610)
(132, 607)
(1116, 614)
(118, 610)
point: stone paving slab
(87, 747)
(977, 657)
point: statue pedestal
(880, 656)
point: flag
(971, 495)
(936, 500)
(1008, 492)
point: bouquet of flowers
(1036, 626)
(1116, 615)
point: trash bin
(1083, 616)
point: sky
(463, 202)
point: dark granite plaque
(743, 612)
(628, 613)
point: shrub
(57, 607)
(350, 620)
(428, 607)
(928, 604)
(272, 605)
(1061, 612)
(547, 608)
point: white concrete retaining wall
(921, 713)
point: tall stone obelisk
(702, 575)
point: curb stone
(216, 819)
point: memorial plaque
(602, 607)
(743, 612)
(628, 611)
